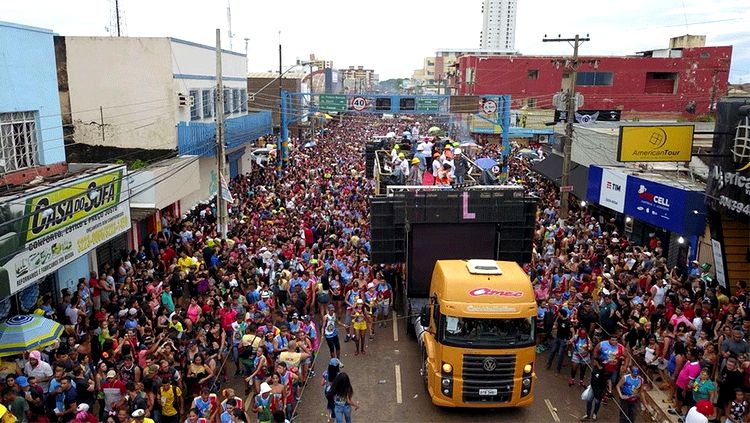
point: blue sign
(664, 206)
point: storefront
(49, 233)
(160, 191)
(728, 191)
(667, 206)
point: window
(18, 145)
(243, 100)
(531, 102)
(235, 100)
(207, 101)
(661, 82)
(227, 101)
(195, 111)
(494, 333)
(532, 74)
(594, 78)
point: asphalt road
(377, 390)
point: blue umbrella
(486, 163)
(27, 332)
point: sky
(393, 36)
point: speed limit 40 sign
(359, 103)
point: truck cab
(477, 334)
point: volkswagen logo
(489, 364)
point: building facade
(358, 79)
(45, 249)
(154, 99)
(31, 136)
(498, 25)
(676, 81)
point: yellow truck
(476, 332)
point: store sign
(612, 190)
(719, 263)
(607, 188)
(655, 143)
(43, 231)
(664, 206)
(728, 185)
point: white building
(154, 98)
(498, 25)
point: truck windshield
(488, 333)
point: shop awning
(551, 168)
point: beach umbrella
(486, 163)
(433, 130)
(310, 143)
(27, 332)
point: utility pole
(572, 66)
(221, 207)
(117, 16)
(281, 139)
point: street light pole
(570, 119)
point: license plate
(487, 392)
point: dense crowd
(164, 333)
(618, 310)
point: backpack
(264, 414)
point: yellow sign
(58, 208)
(672, 143)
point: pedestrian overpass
(487, 114)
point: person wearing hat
(704, 410)
(437, 165)
(39, 369)
(414, 174)
(264, 404)
(629, 390)
(114, 391)
(139, 416)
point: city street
(383, 397)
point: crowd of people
(617, 310)
(198, 326)
(167, 331)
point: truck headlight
(527, 368)
(526, 383)
(446, 382)
(447, 368)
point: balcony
(195, 138)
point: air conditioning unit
(185, 100)
(542, 138)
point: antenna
(229, 23)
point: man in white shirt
(700, 413)
(39, 369)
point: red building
(656, 82)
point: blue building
(31, 132)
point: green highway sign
(428, 104)
(332, 103)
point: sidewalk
(657, 402)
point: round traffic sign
(489, 107)
(359, 103)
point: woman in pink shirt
(689, 373)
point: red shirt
(227, 318)
(94, 284)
